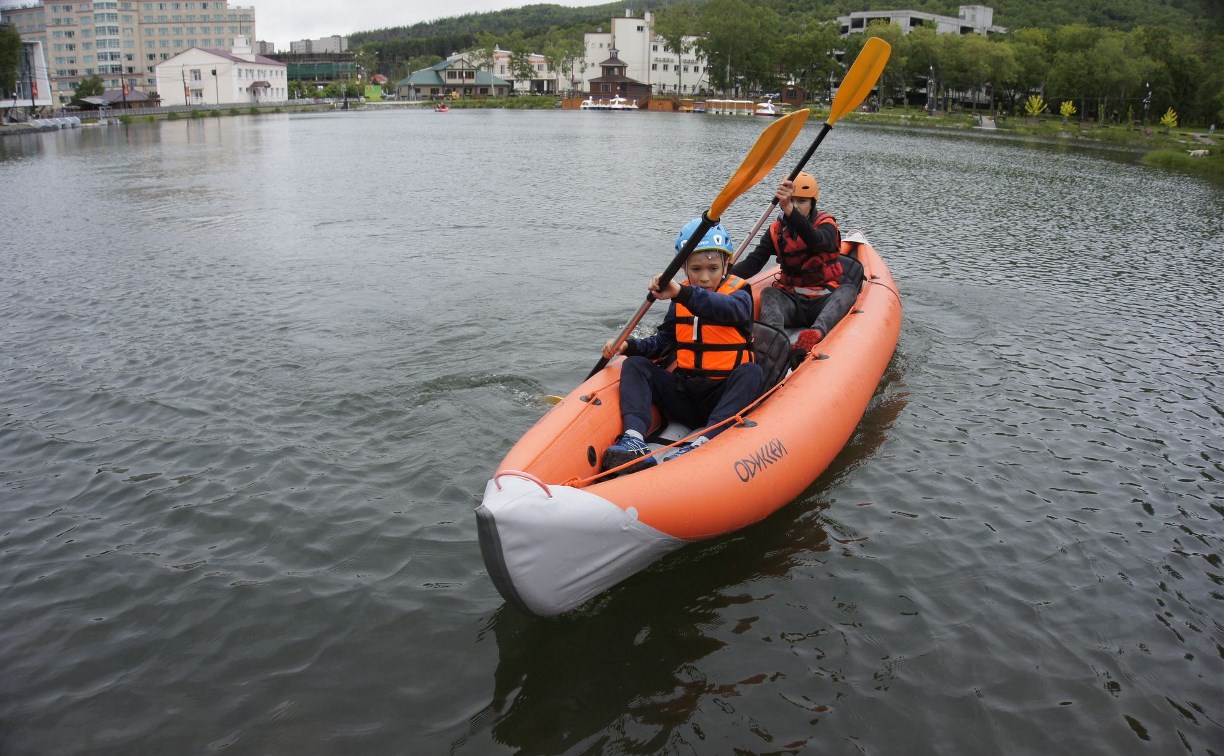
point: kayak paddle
(855, 87)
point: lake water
(255, 372)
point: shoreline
(1179, 150)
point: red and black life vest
(708, 348)
(805, 271)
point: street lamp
(1147, 102)
(930, 89)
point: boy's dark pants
(695, 402)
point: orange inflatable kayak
(555, 532)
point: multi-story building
(318, 69)
(543, 79)
(973, 19)
(646, 56)
(221, 76)
(122, 40)
(332, 44)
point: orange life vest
(805, 271)
(709, 348)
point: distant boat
(767, 109)
(730, 107)
(616, 103)
(620, 103)
(442, 108)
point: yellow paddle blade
(768, 150)
(861, 77)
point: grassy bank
(523, 102)
(1169, 150)
(1211, 166)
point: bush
(214, 113)
(235, 111)
(172, 115)
(197, 114)
(253, 110)
(126, 119)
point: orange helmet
(806, 186)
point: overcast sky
(283, 21)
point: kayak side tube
(550, 548)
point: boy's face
(802, 204)
(705, 269)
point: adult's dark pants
(695, 402)
(784, 309)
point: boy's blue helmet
(716, 238)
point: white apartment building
(646, 56)
(972, 19)
(332, 44)
(123, 40)
(221, 77)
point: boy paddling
(709, 326)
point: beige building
(332, 44)
(122, 40)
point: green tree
(1001, 67)
(1032, 51)
(740, 43)
(367, 59)
(520, 63)
(675, 25)
(481, 52)
(922, 63)
(957, 76)
(807, 55)
(894, 78)
(90, 86)
(10, 58)
(565, 54)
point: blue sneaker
(626, 449)
(686, 448)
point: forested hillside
(1104, 57)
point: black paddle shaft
(667, 275)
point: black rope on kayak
(886, 286)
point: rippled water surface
(255, 371)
